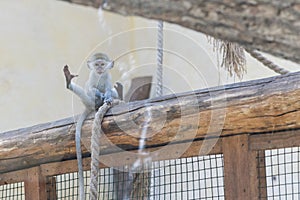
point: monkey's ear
(89, 64)
(111, 65)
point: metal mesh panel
(280, 174)
(67, 186)
(14, 191)
(187, 178)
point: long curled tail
(78, 153)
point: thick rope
(159, 72)
(95, 147)
(95, 150)
(141, 181)
(267, 62)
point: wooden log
(270, 26)
(270, 105)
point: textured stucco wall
(39, 37)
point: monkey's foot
(68, 75)
(119, 88)
(108, 100)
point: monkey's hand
(68, 75)
(107, 97)
(99, 94)
(99, 100)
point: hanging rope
(95, 150)
(97, 131)
(141, 180)
(159, 72)
(267, 62)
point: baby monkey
(98, 90)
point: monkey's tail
(79, 154)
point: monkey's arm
(95, 93)
(108, 96)
(97, 96)
(112, 92)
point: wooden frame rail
(270, 105)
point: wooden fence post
(51, 188)
(240, 169)
(261, 162)
(35, 185)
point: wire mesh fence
(14, 191)
(200, 177)
(189, 178)
(281, 173)
(186, 178)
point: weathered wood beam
(267, 25)
(270, 105)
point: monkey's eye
(96, 64)
(102, 64)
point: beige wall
(39, 37)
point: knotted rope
(95, 149)
(159, 72)
(267, 62)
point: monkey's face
(100, 65)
